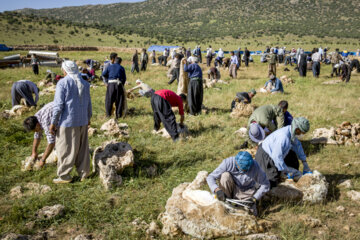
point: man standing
(40, 123)
(161, 103)
(335, 59)
(135, 62)
(233, 65)
(24, 89)
(272, 63)
(144, 58)
(72, 111)
(302, 63)
(316, 59)
(208, 56)
(115, 88)
(35, 64)
(153, 57)
(238, 55)
(175, 65)
(246, 57)
(281, 53)
(281, 150)
(107, 64)
(241, 178)
(195, 92)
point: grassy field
(91, 209)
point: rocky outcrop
(241, 132)
(196, 212)
(353, 195)
(31, 163)
(286, 80)
(242, 110)
(311, 188)
(50, 212)
(183, 132)
(210, 83)
(17, 110)
(29, 189)
(113, 128)
(345, 134)
(110, 160)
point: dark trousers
(268, 165)
(21, 90)
(135, 67)
(143, 66)
(246, 62)
(302, 70)
(334, 70)
(195, 96)
(288, 60)
(316, 69)
(163, 114)
(355, 64)
(175, 75)
(208, 61)
(281, 58)
(35, 69)
(153, 60)
(114, 94)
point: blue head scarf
(243, 161)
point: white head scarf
(72, 70)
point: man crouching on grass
(40, 123)
(71, 116)
(238, 179)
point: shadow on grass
(201, 130)
(333, 180)
(310, 148)
(219, 110)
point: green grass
(90, 209)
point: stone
(91, 131)
(110, 160)
(84, 237)
(29, 189)
(346, 228)
(14, 236)
(30, 163)
(197, 213)
(286, 80)
(354, 195)
(324, 136)
(16, 192)
(113, 128)
(332, 82)
(340, 209)
(16, 110)
(48, 91)
(351, 215)
(242, 110)
(311, 188)
(153, 229)
(262, 236)
(345, 183)
(310, 221)
(50, 212)
(241, 132)
(183, 132)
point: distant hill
(198, 20)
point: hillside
(198, 20)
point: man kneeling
(238, 179)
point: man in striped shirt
(40, 123)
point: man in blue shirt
(278, 87)
(24, 89)
(238, 179)
(281, 150)
(70, 119)
(195, 89)
(115, 79)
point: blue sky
(6, 5)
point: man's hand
(220, 195)
(41, 163)
(306, 168)
(34, 155)
(52, 129)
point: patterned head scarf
(243, 161)
(300, 123)
(72, 70)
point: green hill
(199, 20)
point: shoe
(242, 146)
(61, 180)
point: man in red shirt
(161, 103)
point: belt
(195, 79)
(115, 81)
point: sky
(6, 5)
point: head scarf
(253, 91)
(193, 59)
(72, 70)
(300, 123)
(243, 161)
(138, 81)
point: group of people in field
(271, 128)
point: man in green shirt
(272, 63)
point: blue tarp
(3, 47)
(160, 48)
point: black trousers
(208, 61)
(21, 90)
(163, 114)
(268, 165)
(175, 75)
(35, 69)
(334, 70)
(246, 62)
(316, 69)
(281, 58)
(355, 64)
(195, 96)
(302, 70)
(114, 94)
(143, 66)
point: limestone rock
(48, 91)
(195, 212)
(242, 110)
(310, 221)
(183, 132)
(340, 209)
(17, 110)
(241, 132)
(33, 164)
(14, 236)
(262, 236)
(345, 134)
(83, 237)
(153, 229)
(286, 80)
(110, 160)
(345, 183)
(311, 188)
(49, 212)
(354, 195)
(91, 131)
(332, 82)
(324, 135)
(113, 128)
(210, 83)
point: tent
(160, 48)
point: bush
(50, 31)
(87, 35)
(55, 41)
